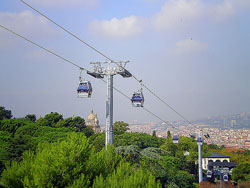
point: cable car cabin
(199, 140)
(192, 136)
(137, 99)
(175, 139)
(209, 174)
(225, 177)
(207, 135)
(84, 89)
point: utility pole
(109, 72)
(199, 143)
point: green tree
(131, 153)
(182, 179)
(68, 163)
(5, 142)
(102, 163)
(142, 140)
(98, 140)
(241, 172)
(11, 125)
(120, 127)
(5, 114)
(76, 122)
(127, 176)
(169, 134)
(50, 120)
(49, 134)
(54, 165)
(160, 163)
(213, 146)
(29, 136)
(30, 117)
(154, 134)
(170, 146)
(187, 144)
(153, 153)
(16, 173)
(23, 140)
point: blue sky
(193, 53)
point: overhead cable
(142, 107)
(47, 50)
(67, 31)
(64, 59)
(93, 48)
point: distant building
(233, 123)
(93, 122)
(218, 162)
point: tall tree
(11, 125)
(76, 122)
(30, 117)
(242, 172)
(127, 175)
(154, 134)
(120, 127)
(50, 119)
(169, 134)
(54, 165)
(5, 114)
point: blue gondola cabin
(137, 99)
(84, 89)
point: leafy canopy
(5, 114)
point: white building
(213, 158)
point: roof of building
(223, 164)
(91, 116)
(233, 149)
(216, 155)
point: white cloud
(174, 15)
(177, 12)
(189, 46)
(24, 23)
(118, 28)
(227, 8)
(224, 10)
(27, 22)
(66, 3)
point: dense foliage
(57, 152)
(19, 135)
(5, 114)
(242, 172)
(74, 163)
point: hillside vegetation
(56, 152)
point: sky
(194, 54)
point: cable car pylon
(109, 71)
